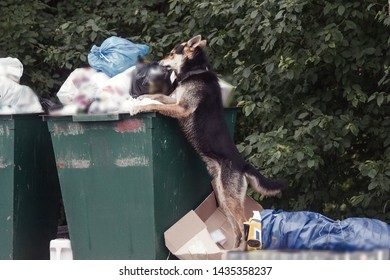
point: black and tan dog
(198, 108)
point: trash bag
(115, 55)
(112, 93)
(86, 90)
(81, 87)
(151, 78)
(308, 230)
(227, 91)
(48, 105)
(11, 68)
(17, 99)
(6, 110)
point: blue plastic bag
(115, 55)
(308, 230)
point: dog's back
(207, 129)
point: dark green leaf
(254, 13)
(269, 68)
(341, 10)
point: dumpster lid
(95, 117)
(20, 116)
(106, 117)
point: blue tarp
(308, 230)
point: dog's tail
(262, 184)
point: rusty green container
(29, 188)
(125, 180)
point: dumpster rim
(109, 117)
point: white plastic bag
(6, 110)
(113, 93)
(67, 110)
(227, 91)
(11, 68)
(81, 86)
(17, 98)
(119, 84)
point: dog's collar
(181, 78)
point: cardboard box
(190, 238)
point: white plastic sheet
(15, 98)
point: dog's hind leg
(235, 213)
(214, 169)
(222, 190)
(233, 196)
(230, 189)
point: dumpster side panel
(105, 171)
(29, 188)
(124, 181)
(6, 187)
(231, 118)
(183, 182)
(36, 194)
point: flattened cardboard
(188, 226)
(189, 238)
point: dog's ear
(194, 42)
(202, 44)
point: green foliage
(317, 100)
(312, 78)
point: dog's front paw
(134, 110)
(141, 97)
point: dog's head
(186, 54)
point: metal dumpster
(29, 188)
(125, 180)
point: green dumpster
(125, 180)
(29, 188)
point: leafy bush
(312, 78)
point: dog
(198, 108)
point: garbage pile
(14, 97)
(116, 76)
